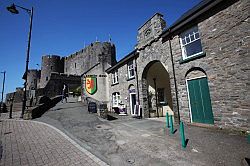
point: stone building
(123, 87)
(197, 69)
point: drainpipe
(175, 84)
(137, 85)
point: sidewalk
(36, 143)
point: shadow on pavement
(41, 109)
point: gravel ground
(129, 141)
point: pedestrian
(64, 93)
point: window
(131, 72)
(75, 65)
(190, 43)
(115, 77)
(116, 99)
(47, 78)
(161, 96)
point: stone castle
(56, 70)
(196, 69)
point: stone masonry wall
(123, 86)
(83, 60)
(101, 94)
(55, 85)
(225, 40)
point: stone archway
(156, 90)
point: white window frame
(130, 68)
(116, 99)
(114, 77)
(183, 44)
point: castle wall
(54, 86)
(83, 60)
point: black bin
(92, 107)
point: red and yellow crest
(91, 85)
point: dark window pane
(188, 39)
(132, 73)
(197, 36)
(193, 48)
(161, 95)
(183, 41)
(192, 37)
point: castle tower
(33, 79)
(50, 63)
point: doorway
(199, 101)
(132, 97)
(156, 88)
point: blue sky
(62, 27)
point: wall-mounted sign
(91, 84)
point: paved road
(35, 143)
(145, 142)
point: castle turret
(33, 79)
(50, 63)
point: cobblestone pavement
(35, 143)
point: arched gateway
(156, 90)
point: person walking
(64, 93)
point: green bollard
(171, 125)
(167, 120)
(183, 139)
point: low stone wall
(38, 111)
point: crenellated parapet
(83, 60)
(50, 63)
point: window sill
(114, 83)
(131, 78)
(192, 58)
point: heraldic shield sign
(91, 85)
